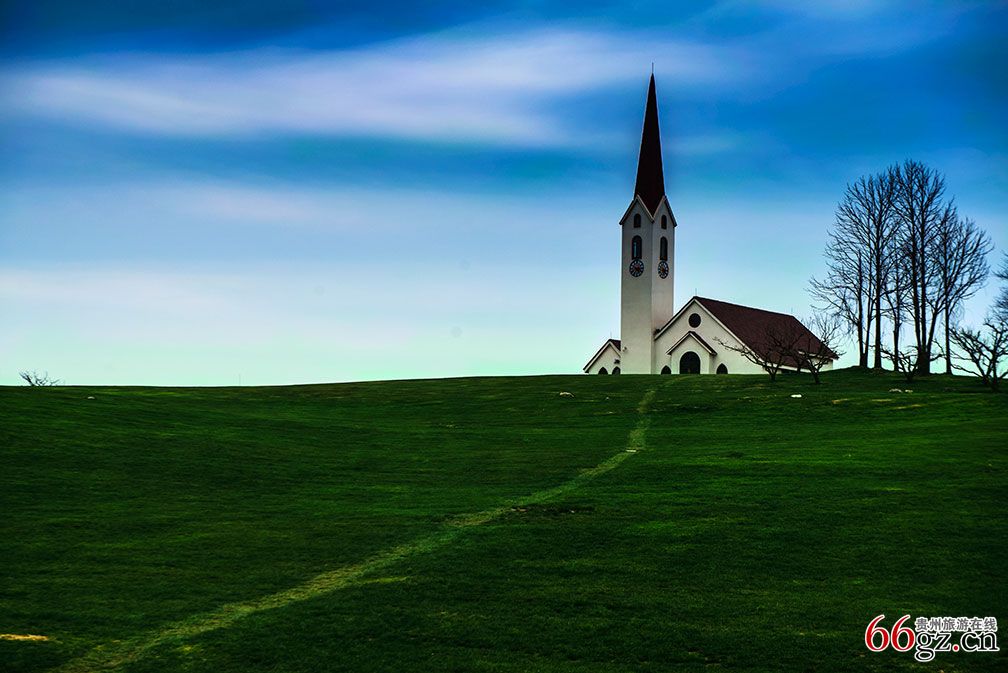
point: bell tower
(647, 259)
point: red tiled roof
(752, 325)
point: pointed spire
(650, 177)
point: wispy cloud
(460, 85)
(441, 86)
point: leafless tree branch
(983, 351)
(814, 355)
(33, 378)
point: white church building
(654, 339)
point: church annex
(654, 339)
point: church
(705, 336)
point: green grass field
(646, 523)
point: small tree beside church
(786, 345)
(814, 355)
(771, 361)
(774, 351)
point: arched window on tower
(636, 220)
(635, 248)
(663, 249)
(664, 222)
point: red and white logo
(933, 634)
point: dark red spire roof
(650, 177)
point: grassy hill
(673, 523)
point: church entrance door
(689, 363)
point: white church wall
(734, 362)
(636, 331)
(690, 345)
(610, 359)
(662, 291)
(711, 331)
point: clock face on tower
(636, 268)
(663, 269)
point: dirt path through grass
(115, 654)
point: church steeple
(647, 261)
(650, 185)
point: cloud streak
(441, 87)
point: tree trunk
(895, 347)
(915, 297)
(948, 349)
(924, 350)
(878, 326)
(863, 335)
(923, 364)
(929, 334)
(862, 353)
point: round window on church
(694, 320)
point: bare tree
(921, 206)
(899, 252)
(867, 212)
(983, 350)
(815, 353)
(773, 354)
(844, 290)
(33, 378)
(904, 361)
(896, 293)
(858, 256)
(789, 344)
(961, 250)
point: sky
(252, 193)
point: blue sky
(197, 193)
